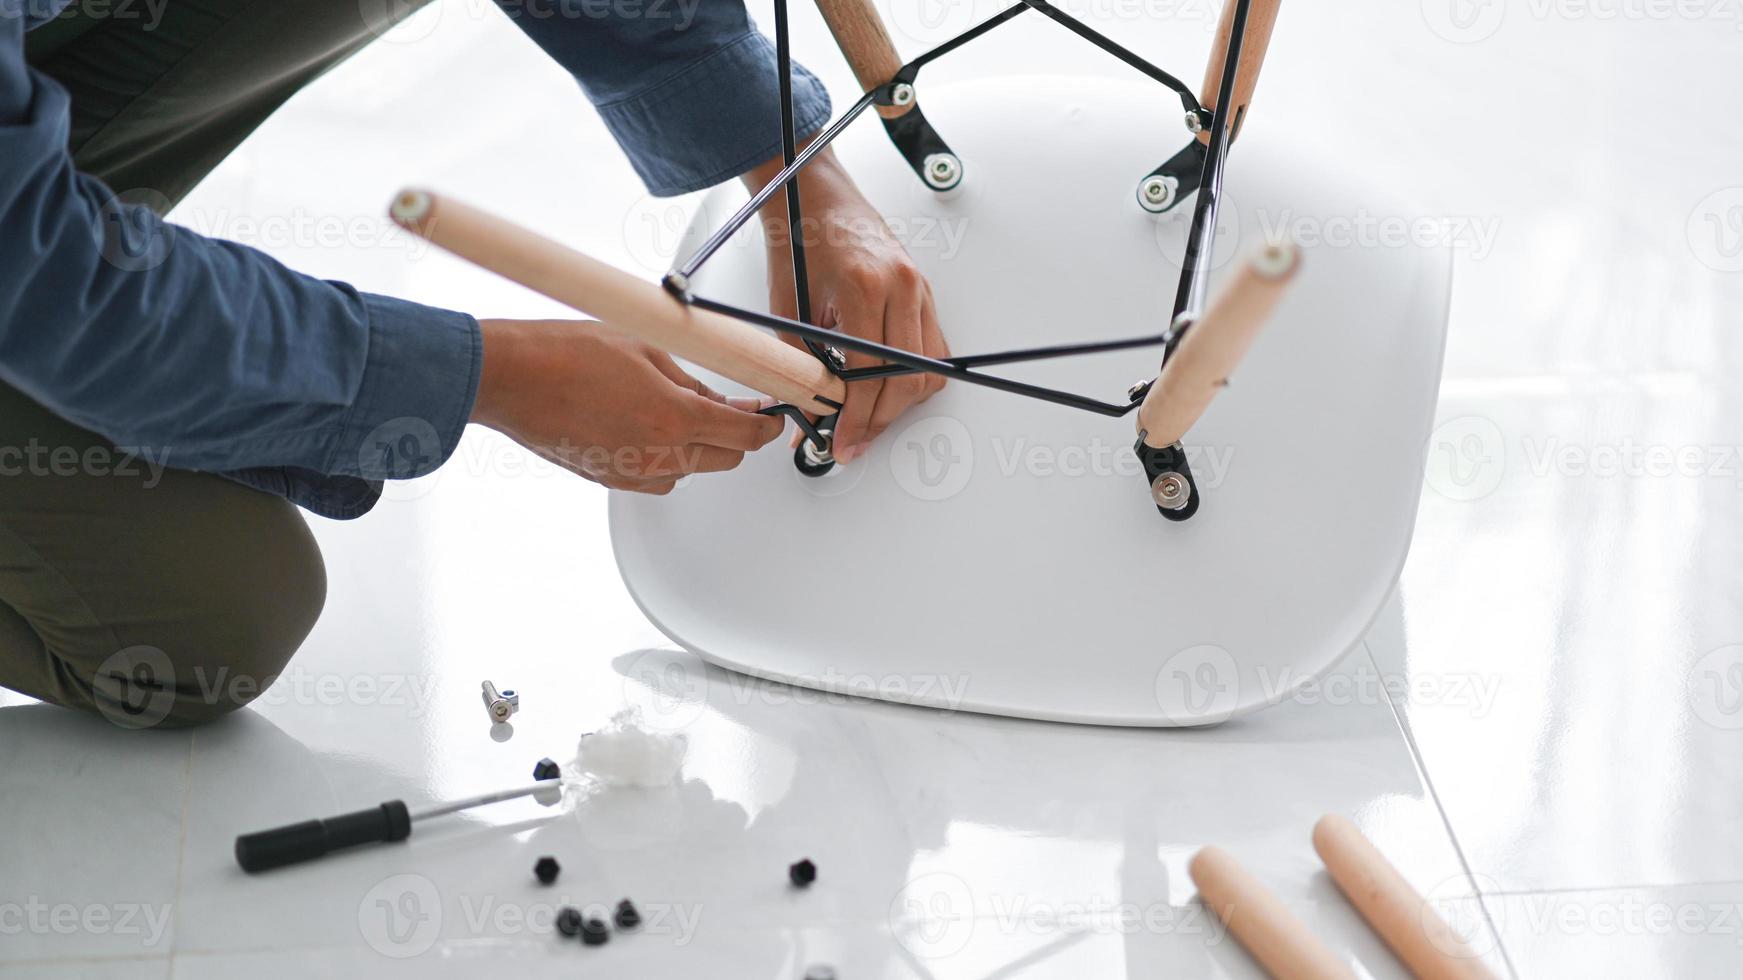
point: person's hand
(863, 283)
(608, 407)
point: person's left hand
(863, 283)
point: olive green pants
(159, 597)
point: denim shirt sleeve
(210, 354)
(687, 87)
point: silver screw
(902, 94)
(820, 457)
(1193, 123)
(500, 704)
(1137, 390)
(1157, 192)
(1171, 491)
(837, 359)
(941, 170)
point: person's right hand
(610, 408)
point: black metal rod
(920, 362)
(1013, 356)
(1187, 99)
(1194, 270)
(789, 144)
(912, 68)
(1201, 236)
(761, 197)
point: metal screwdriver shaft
(391, 821)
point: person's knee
(259, 619)
(240, 610)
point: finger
(902, 328)
(865, 320)
(668, 462)
(658, 488)
(683, 379)
(758, 404)
(749, 404)
(663, 363)
(728, 426)
(635, 482)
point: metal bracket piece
(816, 453)
(915, 139)
(1174, 181)
(1171, 483)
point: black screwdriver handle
(311, 839)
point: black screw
(546, 769)
(594, 933)
(627, 917)
(802, 873)
(568, 921)
(547, 869)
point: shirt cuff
(715, 119)
(419, 383)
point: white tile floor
(1565, 774)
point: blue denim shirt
(218, 358)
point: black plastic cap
(802, 873)
(546, 769)
(594, 932)
(568, 921)
(546, 870)
(626, 916)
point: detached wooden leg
(1264, 925)
(1401, 916)
(629, 305)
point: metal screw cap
(820, 457)
(942, 171)
(1170, 491)
(1157, 192)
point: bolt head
(819, 457)
(1136, 391)
(1171, 491)
(802, 873)
(1157, 192)
(1194, 124)
(902, 94)
(547, 769)
(942, 171)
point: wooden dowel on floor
(1397, 912)
(1258, 918)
